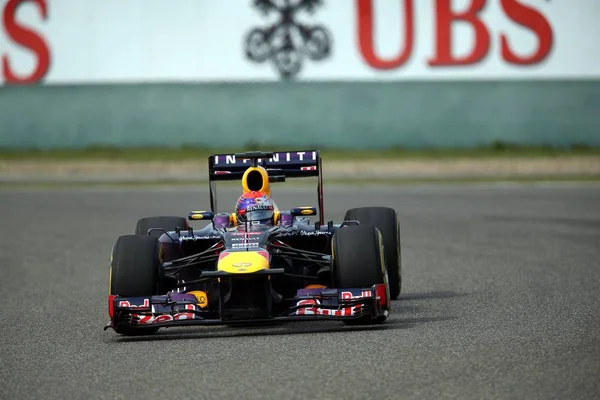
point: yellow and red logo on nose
(201, 296)
(243, 262)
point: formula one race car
(234, 271)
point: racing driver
(255, 208)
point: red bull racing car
(235, 271)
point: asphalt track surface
(501, 300)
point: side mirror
(201, 215)
(303, 211)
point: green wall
(341, 115)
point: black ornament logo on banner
(286, 42)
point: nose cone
(243, 262)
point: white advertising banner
(128, 41)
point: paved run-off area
(585, 167)
(500, 300)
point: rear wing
(279, 166)
(288, 164)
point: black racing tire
(386, 220)
(358, 261)
(134, 269)
(167, 223)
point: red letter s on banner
(28, 39)
(534, 20)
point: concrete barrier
(334, 115)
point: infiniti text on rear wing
(288, 164)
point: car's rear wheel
(386, 220)
(167, 223)
(134, 272)
(358, 261)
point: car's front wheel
(134, 269)
(386, 220)
(358, 261)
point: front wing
(180, 309)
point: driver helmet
(256, 208)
